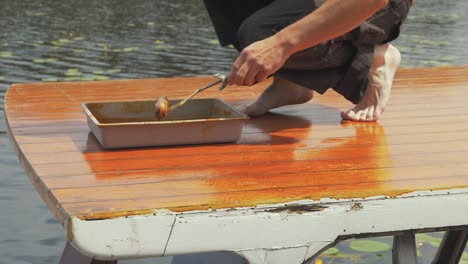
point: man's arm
(334, 18)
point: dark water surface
(69, 40)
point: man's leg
(384, 60)
(323, 66)
(281, 92)
(289, 84)
(380, 79)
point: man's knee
(252, 30)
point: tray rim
(88, 112)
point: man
(313, 45)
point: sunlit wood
(294, 153)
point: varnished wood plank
(113, 208)
(311, 112)
(290, 121)
(72, 94)
(335, 158)
(171, 175)
(208, 182)
(409, 96)
(43, 190)
(302, 152)
(252, 145)
(330, 122)
(312, 109)
(64, 153)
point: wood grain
(293, 153)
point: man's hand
(330, 20)
(258, 61)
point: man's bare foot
(281, 92)
(386, 61)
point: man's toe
(348, 115)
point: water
(116, 39)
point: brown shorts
(342, 63)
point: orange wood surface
(294, 153)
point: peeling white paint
(122, 238)
(268, 234)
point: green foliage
(369, 246)
(464, 256)
(6, 54)
(100, 78)
(73, 72)
(40, 61)
(130, 49)
(49, 80)
(434, 63)
(428, 239)
(164, 46)
(35, 13)
(331, 251)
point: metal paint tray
(132, 124)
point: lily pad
(44, 60)
(464, 256)
(151, 24)
(434, 63)
(131, 24)
(35, 13)
(78, 50)
(164, 46)
(98, 72)
(331, 251)
(214, 42)
(130, 49)
(428, 239)
(369, 246)
(2, 78)
(79, 38)
(100, 78)
(114, 70)
(64, 41)
(444, 43)
(49, 79)
(73, 72)
(6, 54)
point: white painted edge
(262, 235)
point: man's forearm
(334, 18)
